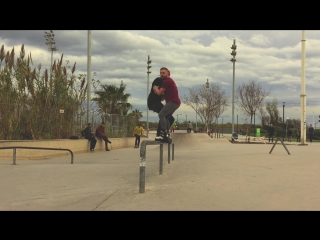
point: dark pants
(298, 138)
(137, 141)
(310, 137)
(165, 113)
(170, 120)
(106, 140)
(271, 137)
(189, 130)
(157, 108)
(93, 142)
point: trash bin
(257, 132)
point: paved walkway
(206, 174)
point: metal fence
(44, 124)
(117, 126)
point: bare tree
(208, 104)
(262, 114)
(250, 96)
(272, 109)
(221, 104)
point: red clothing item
(100, 131)
(171, 92)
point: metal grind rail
(143, 150)
(40, 148)
(279, 139)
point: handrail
(41, 148)
(143, 149)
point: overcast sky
(273, 58)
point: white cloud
(270, 57)
(260, 39)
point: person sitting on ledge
(100, 133)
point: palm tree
(112, 99)
(136, 114)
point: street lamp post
(313, 118)
(197, 99)
(207, 91)
(254, 123)
(89, 76)
(222, 126)
(284, 125)
(148, 72)
(178, 117)
(287, 127)
(49, 36)
(237, 124)
(186, 119)
(303, 90)
(233, 60)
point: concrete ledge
(76, 146)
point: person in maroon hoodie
(171, 96)
(155, 104)
(100, 133)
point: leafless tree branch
(250, 96)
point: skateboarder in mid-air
(155, 103)
(170, 92)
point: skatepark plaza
(207, 174)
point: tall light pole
(89, 76)
(186, 119)
(197, 99)
(49, 36)
(233, 60)
(303, 89)
(237, 125)
(284, 125)
(207, 91)
(148, 72)
(222, 126)
(313, 119)
(287, 127)
(178, 117)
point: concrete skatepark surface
(207, 174)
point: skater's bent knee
(161, 115)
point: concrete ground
(206, 174)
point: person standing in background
(271, 132)
(289, 134)
(138, 130)
(189, 127)
(298, 134)
(311, 132)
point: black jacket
(271, 130)
(154, 100)
(87, 132)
